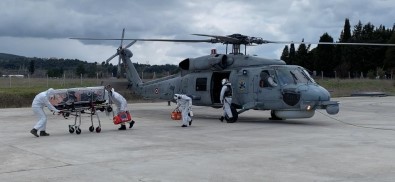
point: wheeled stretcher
(78, 101)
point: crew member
(41, 100)
(267, 80)
(184, 103)
(120, 102)
(226, 100)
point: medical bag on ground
(122, 117)
(176, 114)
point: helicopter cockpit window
(292, 76)
(267, 80)
(201, 84)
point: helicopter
(295, 94)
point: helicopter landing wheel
(274, 116)
(71, 129)
(98, 129)
(78, 131)
(91, 128)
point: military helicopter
(295, 94)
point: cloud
(42, 27)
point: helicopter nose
(314, 93)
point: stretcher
(79, 101)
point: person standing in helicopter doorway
(184, 103)
(226, 100)
(120, 102)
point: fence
(47, 82)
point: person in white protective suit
(40, 101)
(184, 103)
(226, 100)
(120, 102)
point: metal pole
(97, 78)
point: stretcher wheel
(71, 129)
(98, 129)
(78, 131)
(91, 128)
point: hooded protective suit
(184, 103)
(119, 101)
(40, 101)
(226, 98)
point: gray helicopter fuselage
(294, 95)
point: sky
(42, 28)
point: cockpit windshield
(293, 75)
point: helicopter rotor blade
(329, 43)
(160, 40)
(123, 34)
(222, 38)
(130, 44)
(112, 57)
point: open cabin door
(216, 86)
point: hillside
(56, 67)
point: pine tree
(292, 54)
(389, 61)
(285, 54)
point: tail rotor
(120, 53)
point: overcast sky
(42, 28)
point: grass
(346, 87)
(21, 91)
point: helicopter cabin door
(267, 89)
(216, 86)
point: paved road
(358, 144)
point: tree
(292, 54)
(324, 56)
(389, 61)
(302, 57)
(31, 66)
(80, 70)
(285, 54)
(345, 35)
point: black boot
(190, 122)
(123, 127)
(221, 119)
(34, 132)
(131, 124)
(231, 120)
(43, 133)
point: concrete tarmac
(358, 144)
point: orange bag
(122, 117)
(176, 114)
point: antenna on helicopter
(120, 53)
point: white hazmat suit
(121, 104)
(226, 98)
(40, 101)
(184, 103)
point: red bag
(122, 117)
(176, 114)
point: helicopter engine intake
(214, 62)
